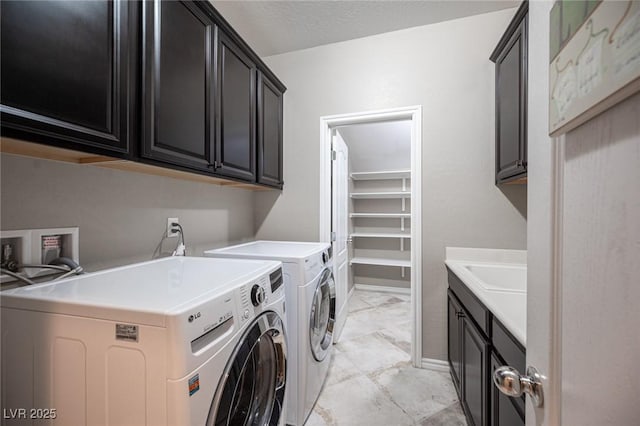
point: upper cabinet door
(236, 112)
(66, 76)
(269, 132)
(511, 100)
(178, 110)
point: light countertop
(506, 297)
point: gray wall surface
(443, 67)
(122, 215)
(377, 147)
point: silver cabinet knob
(509, 381)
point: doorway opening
(370, 206)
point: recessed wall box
(38, 246)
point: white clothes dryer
(310, 301)
(175, 341)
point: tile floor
(371, 381)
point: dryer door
(252, 389)
(323, 316)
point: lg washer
(176, 341)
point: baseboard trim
(368, 287)
(435, 365)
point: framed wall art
(594, 59)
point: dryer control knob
(257, 295)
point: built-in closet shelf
(380, 215)
(380, 235)
(372, 247)
(380, 195)
(380, 262)
(396, 174)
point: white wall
(122, 215)
(443, 67)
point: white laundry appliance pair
(176, 341)
(310, 305)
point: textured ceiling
(273, 27)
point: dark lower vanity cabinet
(68, 74)
(468, 355)
(454, 331)
(166, 83)
(475, 352)
(477, 345)
(504, 410)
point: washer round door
(323, 316)
(252, 388)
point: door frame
(414, 114)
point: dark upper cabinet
(68, 76)
(235, 153)
(178, 112)
(169, 83)
(510, 57)
(269, 132)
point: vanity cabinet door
(475, 354)
(454, 335)
(504, 410)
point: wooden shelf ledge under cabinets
(381, 195)
(380, 235)
(380, 262)
(46, 152)
(518, 181)
(380, 215)
(396, 174)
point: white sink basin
(500, 277)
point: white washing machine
(310, 301)
(176, 341)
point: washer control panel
(256, 294)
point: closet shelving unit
(402, 233)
